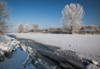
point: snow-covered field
(87, 46)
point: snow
(91, 66)
(1, 53)
(3, 38)
(19, 55)
(7, 46)
(87, 46)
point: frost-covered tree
(94, 28)
(26, 28)
(20, 28)
(72, 15)
(35, 27)
(3, 17)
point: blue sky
(47, 13)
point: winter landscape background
(49, 34)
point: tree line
(25, 29)
(71, 18)
(71, 21)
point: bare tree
(20, 28)
(35, 27)
(26, 28)
(72, 15)
(3, 17)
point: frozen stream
(51, 57)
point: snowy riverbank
(88, 45)
(21, 55)
(14, 55)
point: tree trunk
(71, 30)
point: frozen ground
(87, 46)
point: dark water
(49, 57)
